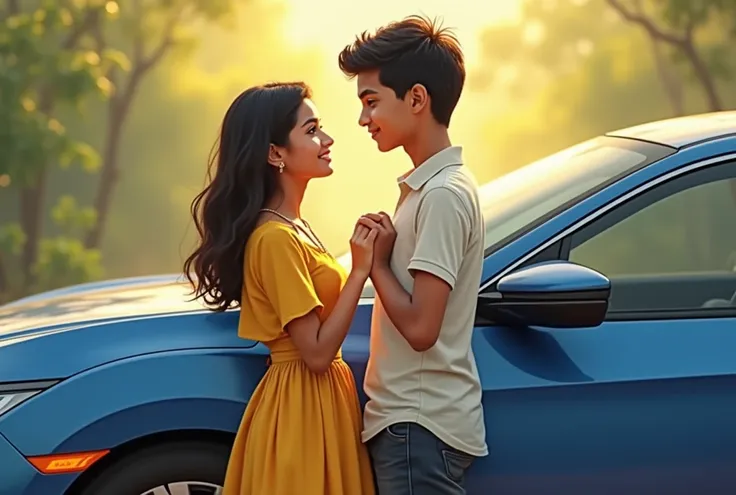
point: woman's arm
(318, 343)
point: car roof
(680, 132)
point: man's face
(388, 119)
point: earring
(281, 167)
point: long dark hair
(226, 211)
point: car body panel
(656, 396)
(63, 352)
(175, 390)
(631, 406)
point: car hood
(89, 303)
(61, 333)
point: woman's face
(308, 154)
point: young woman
(301, 429)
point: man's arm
(443, 228)
(417, 316)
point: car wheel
(178, 468)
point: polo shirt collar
(418, 176)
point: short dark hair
(413, 51)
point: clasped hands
(372, 242)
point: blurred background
(108, 110)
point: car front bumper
(16, 473)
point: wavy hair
(240, 182)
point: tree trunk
(31, 220)
(32, 201)
(703, 75)
(4, 284)
(117, 115)
(668, 77)
(13, 7)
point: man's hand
(416, 314)
(381, 223)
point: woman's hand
(361, 249)
(385, 236)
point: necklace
(308, 231)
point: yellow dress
(300, 434)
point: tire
(161, 467)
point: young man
(424, 421)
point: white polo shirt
(440, 230)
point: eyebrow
(311, 120)
(367, 92)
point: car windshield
(515, 202)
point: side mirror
(554, 294)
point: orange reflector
(66, 463)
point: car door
(646, 402)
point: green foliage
(72, 219)
(12, 239)
(65, 261)
(36, 74)
(82, 153)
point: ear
(275, 155)
(418, 98)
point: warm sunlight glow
(333, 23)
(303, 40)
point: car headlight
(13, 394)
(9, 400)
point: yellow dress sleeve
(281, 267)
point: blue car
(605, 342)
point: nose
(364, 119)
(327, 141)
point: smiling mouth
(374, 133)
(325, 156)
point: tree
(580, 71)
(150, 30)
(46, 62)
(555, 39)
(678, 23)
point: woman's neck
(289, 201)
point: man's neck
(428, 143)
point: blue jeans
(409, 460)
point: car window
(671, 249)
